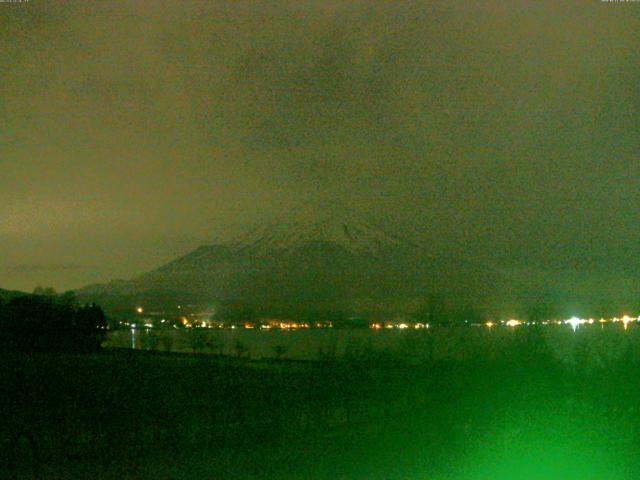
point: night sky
(507, 132)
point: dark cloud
(133, 131)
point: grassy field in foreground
(142, 415)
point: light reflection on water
(135, 338)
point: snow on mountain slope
(304, 232)
(312, 223)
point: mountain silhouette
(309, 259)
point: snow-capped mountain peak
(312, 223)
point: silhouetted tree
(240, 349)
(44, 291)
(167, 342)
(215, 344)
(280, 350)
(197, 339)
(49, 322)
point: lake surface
(595, 345)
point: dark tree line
(48, 322)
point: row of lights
(575, 322)
(247, 325)
(399, 326)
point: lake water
(591, 345)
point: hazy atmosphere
(134, 132)
(319, 240)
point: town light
(575, 322)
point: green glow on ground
(555, 446)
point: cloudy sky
(134, 131)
